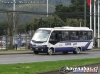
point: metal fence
(25, 42)
(5, 42)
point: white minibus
(62, 39)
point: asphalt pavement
(15, 52)
(27, 51)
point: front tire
(50, 52)
(77, 51)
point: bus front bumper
(40, 49)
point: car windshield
(41, 35)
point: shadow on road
(83, 53)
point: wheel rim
(77, 50)
(50, 51)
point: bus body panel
(40, 49)
(70, 46)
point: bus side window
(83, 35)
(73, 35)
(65, 35)
(59, 37)
(89, 35)
(52, 37)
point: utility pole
(14, 18)
(90, 14)
(85, 13)
(94, 18)
(98, 23)
(47, 8)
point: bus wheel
(50, 52)
(36, 52)
(77, 51)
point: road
(30, 57)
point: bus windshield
(41, 35)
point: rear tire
(50, 52)
(77, 51)
(36, 52)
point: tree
(35, 24)
(10, 28)
(72, 11)
(21, 28)
(3, 28)
(55, 21)
(75, 10)
(77, 2)
(74, 22)
(40, 22)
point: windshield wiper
(38, 41)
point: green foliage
(41, 22)
(21, 28)
(35, 23)
(74, 22)
(37, 67)
(57, 22)
(54, 21)
(73, 11)
(3, 28)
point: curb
(16, 52)
(95, 50)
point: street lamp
(94, 18)
(98, 23)
(85, 13)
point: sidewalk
(95, 49)
(15, 51)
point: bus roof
(46, 28)
(68, 28)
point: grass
(33, 68)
